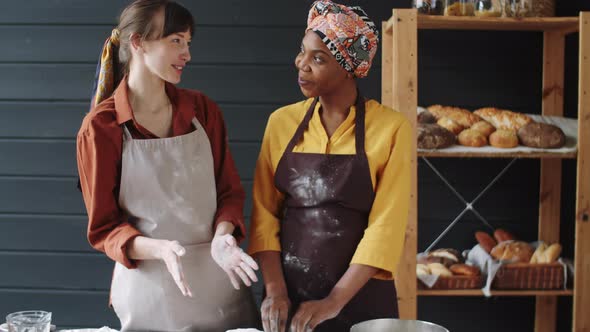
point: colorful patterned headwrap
(106, 70)
(348, 32)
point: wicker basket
(455, 282)
(544, 8)
(529, 276)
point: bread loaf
(459, 115)
(450, 125)
(504, 139)
(422, 269)
(503, 119)
(503, 235)
(448, 256)
(541, 135)
(483, 127)
(486, 242)
(426, 117)
(470, 137)
(439, 270)
(538, 256)
(514, 251)
(552, 253)
(433, 136)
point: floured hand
(233, 260)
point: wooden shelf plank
(565, 24)
(498, 23)
(478, 292)
(455, 154)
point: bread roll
(514, 251)
(483, 127)
(433, 136)
(551, 254)
(426, 117)
(503, 119)
(538, 255)
(464, 270)
(503, 235)
(459, 115)
(422, 269)
(439, 270)
(541, 135)
(504, 139)
(485, 241)
(470, 137)
(450, 125)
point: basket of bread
(446, 269)
(526, 267)
(440, 127)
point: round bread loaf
(504, 139)
(474, 138)
(541, 135)
(426, 117)
(514, 251)
(483, 127)
(433, 136)
(450, 125)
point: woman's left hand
(233, 260)
(312, 313)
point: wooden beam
(550, 183)
(386, 67)
(404, 99)
(581, 321)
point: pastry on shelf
(433, 136)
(504, 139)
(450, 125)
(485, 241)
(541, 135)
(503, 119)
(473, 138)
(483, 127)
(425, 116)
(546, 254)
(459, 115)
(513, 251)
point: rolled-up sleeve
(383, 240)
(266, 201)
(97, 156)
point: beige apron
(168, 191)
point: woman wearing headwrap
(161, 189)
(331, 187)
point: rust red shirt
(99, 148)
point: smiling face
(319, 72)
(167, 57)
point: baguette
(503, 119)
(551, 254)
(485, 241)
(538, 256)
(503, 235)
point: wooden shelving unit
(400, 91)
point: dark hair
(140, 17)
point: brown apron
(328, 198)
(168, 191)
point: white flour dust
(310, 188)
(296, 262)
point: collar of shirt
(317, 127)
(182, 106)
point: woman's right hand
(170, 252)
(275, 312)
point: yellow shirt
(387, 143)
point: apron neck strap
(359, 122)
